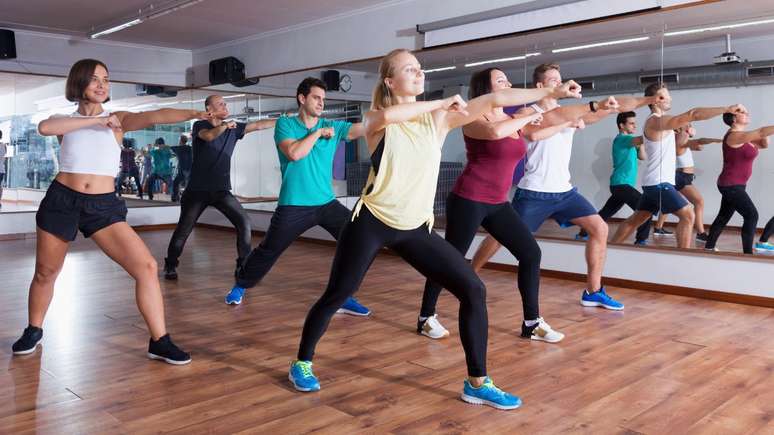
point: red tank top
(737, 163)
(488, 175)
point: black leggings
(623, 194)
(463, 217)
(152, 180)
(429, 254)
(192, 205)
(287, 223)
(768, 231)
(123, 175)
(735, 199)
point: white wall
(50, 54)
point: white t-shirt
(547, 168)
(661, 163)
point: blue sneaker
(582, 237)
(302, 377)
(353, 308)
(764, 246)
(234, 297)
(489, 394)
(600, 299)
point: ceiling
(207, 23)
(650, 24)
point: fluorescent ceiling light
(234, 96)
(116, 28)
(503, 59)
(445, 68)
(719, 27)
(600, 44)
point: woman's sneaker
(234, 297)
(353, 308)
(170, 271)
(431, 327)
(662, 232)
(489, 394)
(600, 298)
(764, 247)
(541, 331)
(28, 341)
(702, 237)
(302, 376)
(164, 350)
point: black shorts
(2, 176)
(64, 211)
(683, 179)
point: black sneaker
(164, 350)
(702, 237)
(28, 341)
(169, 269)
(662, 232)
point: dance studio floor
(667, 364)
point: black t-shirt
(183, 153)
(211, 169)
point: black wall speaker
(7, 44)
(331, 78)
(226, 70)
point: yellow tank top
(404, 174)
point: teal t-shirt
(624, 161)
(308, 181)
(161, 161)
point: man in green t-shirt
(306, 145)
(161, 157)
(627, 149)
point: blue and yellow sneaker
(302, 377)
(234, 297)
(353, 308)
(764, 247)
(489, 394)
(600, 298)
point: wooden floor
(667, 364)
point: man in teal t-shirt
(627, 149)
(161, 156)
(306, 145)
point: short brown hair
(79, 78)
(306, 85)
(652, 89)
(541, 70)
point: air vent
(587, 85)
(760, 71)
(658, 78)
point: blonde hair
(381, 97)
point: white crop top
(91, 150)
(661, 163)
(685, 160)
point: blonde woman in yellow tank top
(396, 211)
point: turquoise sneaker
(489, 394)
(302, 377)
(234, 297)
(764, 246)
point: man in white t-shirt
(658, 181)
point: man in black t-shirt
(183, 153)
(210, 182)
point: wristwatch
(593, 106)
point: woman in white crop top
(82, 198)
(685, 171)
(396, 211)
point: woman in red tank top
(740, 148)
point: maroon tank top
(737, 163)
(488, 175)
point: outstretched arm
(262, 124)
(481, 129)
(760, 137)
(666, 123)
(60, 125)
(138, 121)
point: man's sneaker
(432, 328)
(169, 269)
(302, 376)
(764, 246)
(234, 297)
(353, 308)
(489, 394)
(164, 350)
(581, 237)
(702, 237)
(662, 232)
(600, 299)
(640, 243)
(28, 341)
(541, 331)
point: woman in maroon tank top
(740, 148)
(480, 198)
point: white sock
(422, 319)
(530, 323)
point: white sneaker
(541, 331)
(432, 328)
